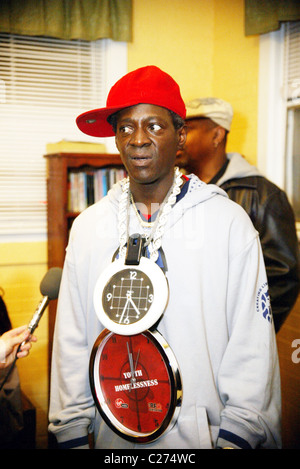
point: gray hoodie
(216, 322)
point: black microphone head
(50, 284)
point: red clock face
(133, 385)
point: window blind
(291, 86)
(292, 60)
(44, 84)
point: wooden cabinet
(59, 167)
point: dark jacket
(272, 216)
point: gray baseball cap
(215, 109)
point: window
(279, 110)
(292, 96)
(44, 84)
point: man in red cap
(164, 288)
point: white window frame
(115, 66)
(271, 108)
(272, 149)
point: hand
(9, 343)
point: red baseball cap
(146, 85)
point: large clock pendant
(132, 294)
(136, 384)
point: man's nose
(139, 137)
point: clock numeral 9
(108, 296)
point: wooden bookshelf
(59, 166)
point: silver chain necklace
(153, 239)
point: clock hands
(128, 300)
(137, 360)
(134, 307)
(132, 366)
(124, 309)
(132, 370)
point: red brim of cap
(146, 85)
(94, 123)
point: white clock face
(130, 299)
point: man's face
(148, 142)
(198, 145)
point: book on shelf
(87, 187)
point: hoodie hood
(198, 192)
(238, 168)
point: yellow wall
(201, 43)
(22, 267)
(177, 36)
(235, 78)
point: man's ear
(181, 137)
(219, 135)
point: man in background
(208, 122)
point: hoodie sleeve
(71, 405)
(275, 222)
(249, 381)
(72, 411)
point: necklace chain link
(143, 223)
(153, 239)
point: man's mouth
(140, 158)
(139, 154)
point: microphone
(49, 288)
